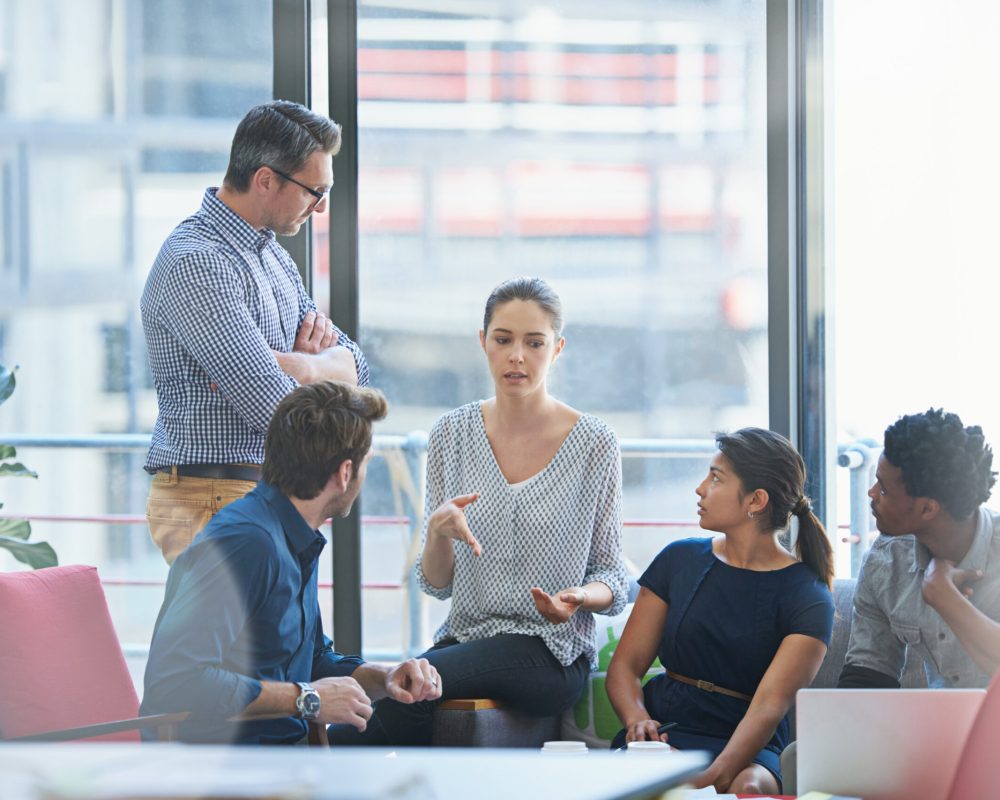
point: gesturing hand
(449, 521)
(413, 680)
(560, 607)
(343, 700)
(942, 579)
(316, 334)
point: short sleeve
(656, 578)
(677, 568)
(813, 613)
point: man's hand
(334, 363)
(413, 680)
(560, 607)
(944, 582)
(315, 355)
(316, 334)
(343, 700)
(449, 521)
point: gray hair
(282, 135)
(534, 289)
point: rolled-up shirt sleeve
(433, 499)
(360, 362)
(873, 643)
(604, 563)
(328, 663)
(307, 304)
(186, 669)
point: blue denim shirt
(241, 607)
(891, 615)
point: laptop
(882, 744)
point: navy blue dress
(724, 625)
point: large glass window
(914, 174)
(618, 151)
(114, 117)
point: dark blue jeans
(514, 668)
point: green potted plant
(14, 533)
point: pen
(662, 729)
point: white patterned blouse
(561, 528)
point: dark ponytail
(812, 545)
(766, 460)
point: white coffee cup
(649, 748)
(565, 748)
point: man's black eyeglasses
(315, 193)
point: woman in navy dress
(739, 622)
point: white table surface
(116, 771)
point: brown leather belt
(225, 472)
(708, 686)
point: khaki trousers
(178, 507)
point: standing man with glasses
(229, 326)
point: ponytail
(812, 545)
(766, 460)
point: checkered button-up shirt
(221, 296)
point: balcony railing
(405, 457)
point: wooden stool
(484, 722)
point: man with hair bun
(931, 581)
(239, 633)
(229, 326)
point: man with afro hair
(931, 581)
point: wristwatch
(307, 702)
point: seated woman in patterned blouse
(739, 622)
(526, 533)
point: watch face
(307, 702)
(310, 703)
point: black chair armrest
(166, 724)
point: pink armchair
(978, 772)
(64, 674)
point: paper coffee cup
(648, 747)
(564, 748)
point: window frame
(799, 319)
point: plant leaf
(35, 554)
(16, 470)
(7, 451)
(15, 528)
(7, 382)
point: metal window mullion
(342, 33)
(798, 320)
(290, 19)
(817, 429)
(782, 305)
